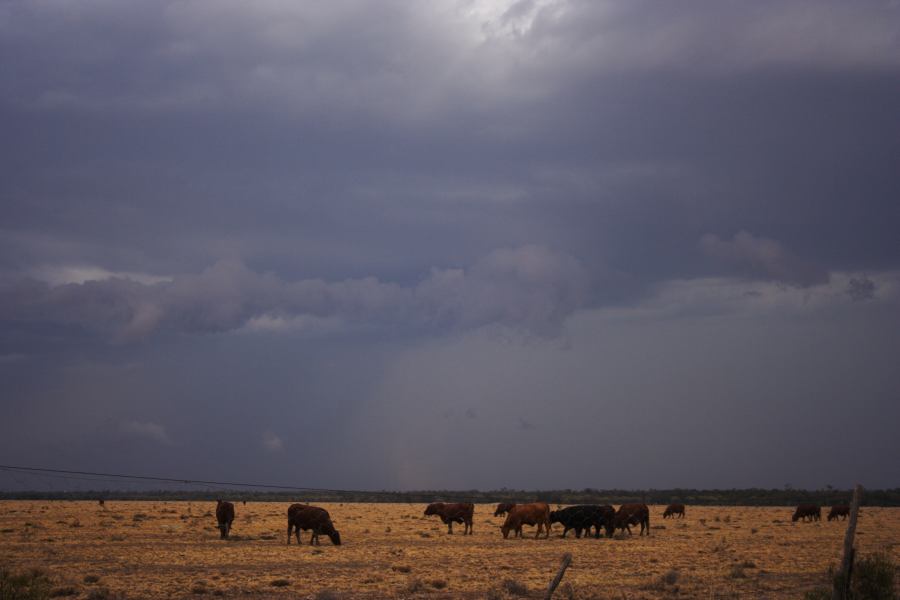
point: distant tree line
(732, 497)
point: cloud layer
(410, 227)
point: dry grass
(173, 550)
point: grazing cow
(453, 513)
(839, 510)
(537, 513)
(583, 518)
(503, 508)
(633, 514)
(674, 509)
(305, 517)
(101, 502)
(224, 516)
(807, 512)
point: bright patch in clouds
(146, 430)
(272, 442)
(61, 275)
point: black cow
(224, 517)
(583, 517)
(810, 512)
(840, 510)
(305, 517)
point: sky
(453, 244)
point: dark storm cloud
(312, 193)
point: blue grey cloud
(218, 213)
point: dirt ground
(173, 550)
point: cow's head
(554, 516)
(335, 537)
(796, 516)
(505, 528)
(433, 508)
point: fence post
(841, 589)
(566, 559)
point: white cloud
(271, 442)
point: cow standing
(306, 517)
(224, 517)
(537, 513)
(503, 508)
(453, 513)
(674, 509)
(583, 518)
(807, 512)
(840, 510)
(633, 514)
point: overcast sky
(452, 244)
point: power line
(123, 476)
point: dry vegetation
(172, 550)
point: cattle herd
(582, 519)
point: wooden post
(566, 559)
(841, 589)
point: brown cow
(807, 512)
(839, 510)
(224, 517)
(304, 516)
(674, 509)
(453, 513)
(633, 514)
(503, 508)
(536, 513)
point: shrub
(91, 578)
(327, 595)
(281, 583)
(65, 590)
(515, 588)
(671, 577)
(873, 578)
(401, 568)
(415, 585)
(438, 584)
(30, 585)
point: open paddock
(172, 550)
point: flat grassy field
(173, 550)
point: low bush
(28, 585)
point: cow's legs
(227, 529)
(450, 526)
(290, 531)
